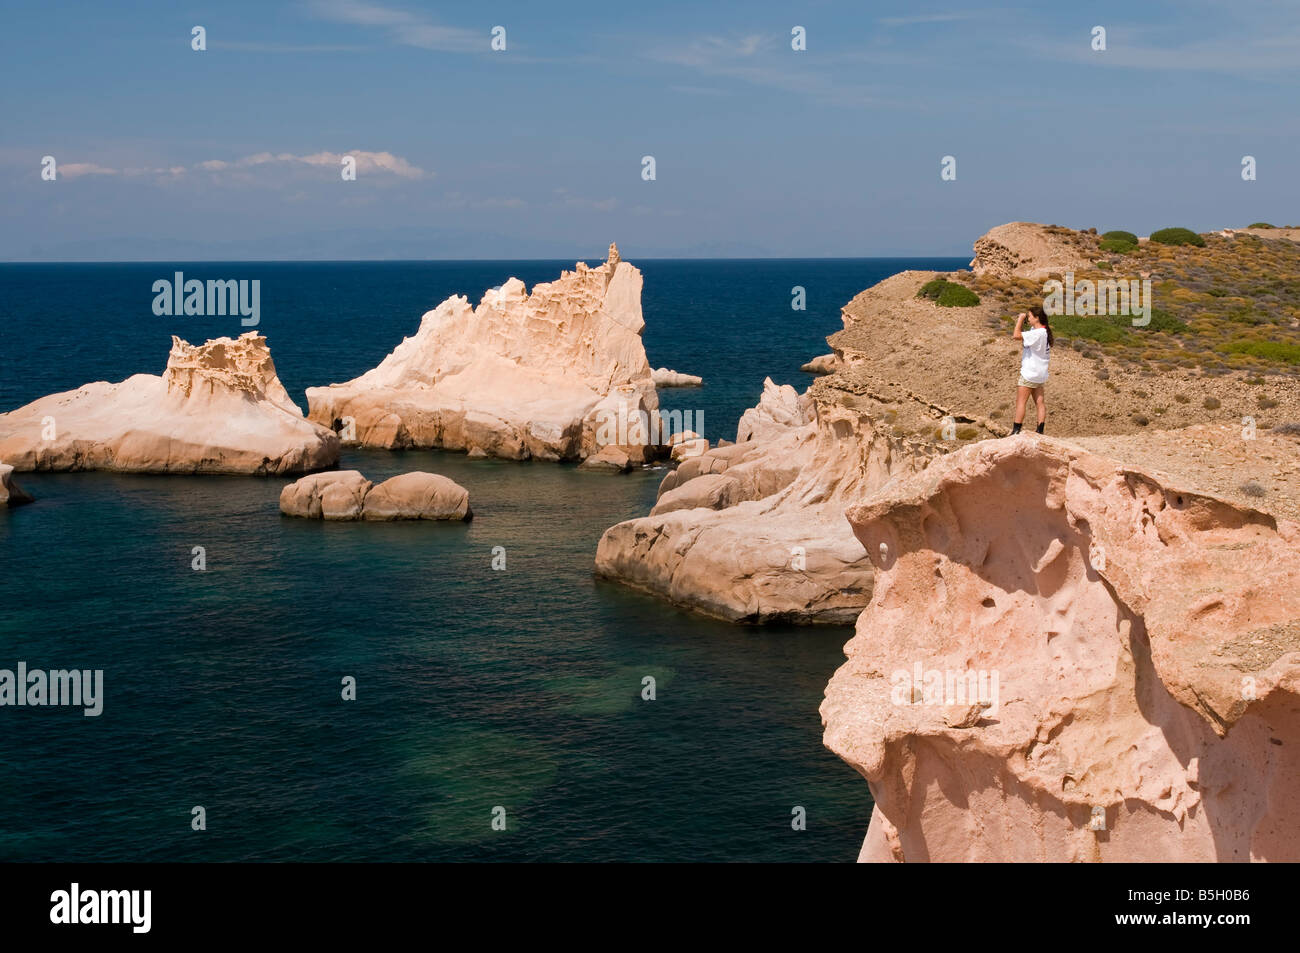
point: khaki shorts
(1031, 384)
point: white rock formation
(824, 364)
(347, 495)
(546, 375)
(663, 377)
(218, 407)
(755, 531)
(11, 494)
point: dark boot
(1040, 427)
(1015, 429)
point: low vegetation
(1231, 305)
(1119, 242)
(948, 294)
(1177, 236)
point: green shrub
(1265, 403)
(1162, 320)
(957, 296)
(932, 288)
(1101, 330)
(1261, 225)
(1116, 246)
(1119, 241)
(1211, 403)
(1177, 236)
(948, 294)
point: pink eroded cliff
(218, 407)
(522, 375)
(1142, 646)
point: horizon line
(396, 261)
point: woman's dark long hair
(1041, 315)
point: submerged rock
(347, 495)
(219, 407)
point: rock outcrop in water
(552, 375)
(11, 494)
(1142, 645)
(219, 407)
(347, 495)
(755, 531)
(663, 377)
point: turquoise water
(477, 688)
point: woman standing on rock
(1037, 350)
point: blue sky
(464, 152)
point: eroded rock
(348, 495)
(755, 531)
(11, 494)
(1144, 644)
(552, 375)
(219, 407)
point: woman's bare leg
(1022, 398)
(1041, 403)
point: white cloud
(368, 163)
(72, 170)
(761, 61)
(403, 27)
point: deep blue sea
(476, 688)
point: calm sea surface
(476, 688)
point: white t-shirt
(1033, 360)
